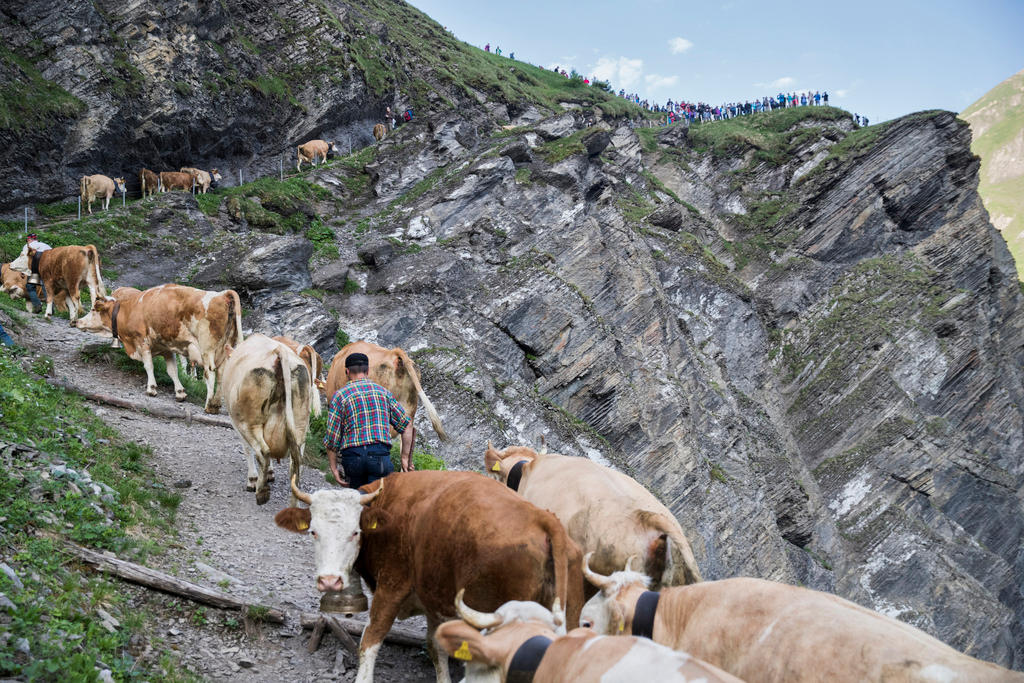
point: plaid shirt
(360, 413)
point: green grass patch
(322, 238)
(27, 100)
(103, 353)
(563, 148)
(105, 229)
(209, 203)
(771, 134)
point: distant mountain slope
(997, 123)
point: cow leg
(72, 309)
(172, 372)
(210, 374)
(438, 656)
(147, 362)
(383, 612)
(262, 484)
(49, 304)
(295, 471)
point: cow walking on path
(149, 181)
(379, 131)
(268, 393)
(767, 632)
(314, 150)
(604, 511)
(63, 271)
(429, 535)
(170, 319)
(93, 187)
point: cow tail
(83, 186)
(435, 419)
(560, 559)
(679, 559)
(314, 373)
(236, 312)
(286, 371)
(94, 262)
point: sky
(879, 59)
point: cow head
(332, 150)
(610, 611)
(14, 283)
(488, 641)
(333, 520)
(97, 320)
(497, 464)
(214, 177)
(119, 183)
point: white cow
(269, 393)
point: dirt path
(225, 538)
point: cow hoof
(71, 323)
(270, 477)
(250, 487)
(150, 391)
(212, 408)
(180, 397)
(263, 496)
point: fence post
(280, 167)
(26, 220)
(239, 177)
(79, 207)
(123, 202)
(193, 186)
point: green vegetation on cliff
(29, 101)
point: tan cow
(393, 370)
(314, 149)
(268, 393)
(204, 180)
(149, 181)
(176, 180)
(14, 284)
(524, 641)
(63, 272)
(92, 187)
(313, 360)
(379, 131)
(428, 535)
(170, 319)
(604, 511)
(765, 631)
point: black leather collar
(113, 319)
(526, 660)
(643, 615)
(35, 262)
(515, 474)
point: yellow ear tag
(622, 626)
(463, 652)
(302, 526)
(496, 467)
(373, 524)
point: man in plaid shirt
(359, 421)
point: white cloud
(842, 93)
(784, 82)
(621, 72)
(656, 82)
(679, 45)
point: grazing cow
(379, 131)
(314, 362)
(428, 536)
(150, 182)
(63, 272)
(524, 641)
(92, 187)
(14, 284)
(765, 631)
(604, 511)
(170, 319)
(313, 150)
(204, 180)
(268, 393)
(393, 370)
(176, 180)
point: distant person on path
(22, 265)
(390, 118)
(817, 98)
(487, 47)
(511, 55)
(824, 96)
(497, 51)
(359, 418)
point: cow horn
(597, 579)
(629, 563)
(367, 498)
(543, 445)
(478, 620)
(299, 493)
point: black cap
(31, 236)
(356, 360)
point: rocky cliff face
(806, 339)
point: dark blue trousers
(365, 464)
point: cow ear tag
(463, 652)
(373, 524)
(496, 467)
(301, 525)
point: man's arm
(332, 439)
(407, 437)
(400, 421)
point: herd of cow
(550, 568)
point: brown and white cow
(15, 284)
(765, 631)
(63, 272)
(204, 180)
(149, 181)
(379, 131)
(604, 511)
(93, 187)
(430, 535)
(313, 360)
(313, 150)
(176, 180)
(393, 370)
(170, 319)
(523, 641)
(268, 393)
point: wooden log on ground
(399, 633)
(342, 635)
(314, 639)
(151, 578)
(188, 413)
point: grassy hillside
(997, 123)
